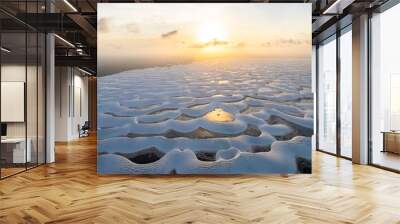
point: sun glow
(210, 32)
(219, 115)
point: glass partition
(327, 95)
(22, 88)
(385, 89)
(41, 97)
(346, 92)
(14, 151)
(32, 95)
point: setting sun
(211, 32)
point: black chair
(84, 130)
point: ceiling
(75, 22)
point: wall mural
(204, 88)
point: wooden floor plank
(70, 191)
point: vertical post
(360, 89)
(369, 127)
(0, 98)
(50, 92)
(314, 91)
(92, 103)
(26, 89)
(338, 76)
(316, 117)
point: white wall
(62, 82)
(13, 72)
(70, 84)
(80, 109)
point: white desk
(391, 141)
(19, 154)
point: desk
(391, 141)
(15, 148)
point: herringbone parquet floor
(70, 191)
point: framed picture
(191, 88)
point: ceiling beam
(337, 6)
(77, 61)
(84, 24)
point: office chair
(84, 130)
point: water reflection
(219, 115)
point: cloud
(290, 41)
(266, 44)
(104, 25)
(132, 28)
(285, 42)
(240, 45)
(214, 42)
(169, 34)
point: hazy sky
(142, 35)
